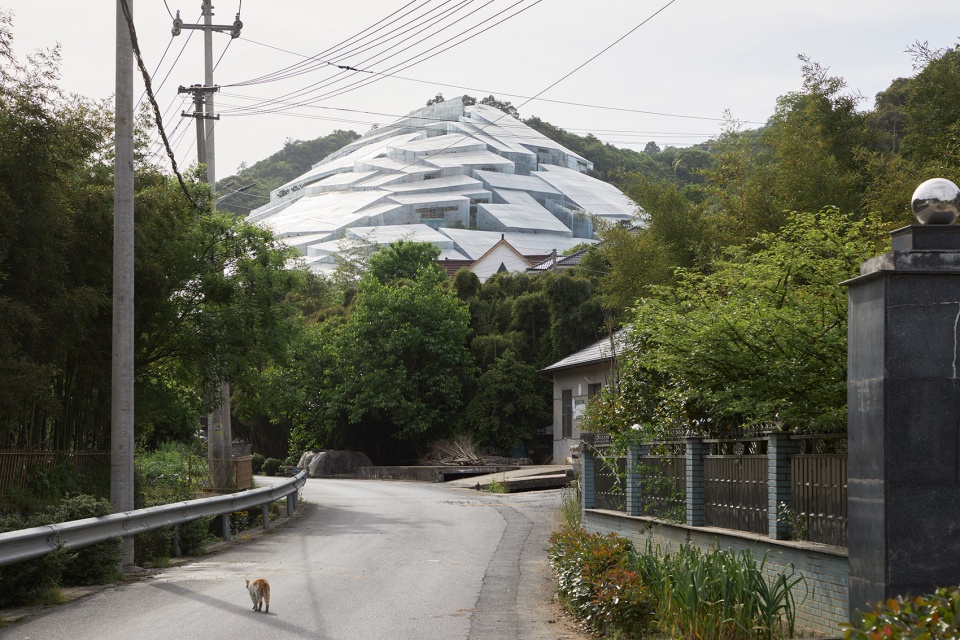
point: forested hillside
(250, 187)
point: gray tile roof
(600, 351)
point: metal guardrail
(26, 544)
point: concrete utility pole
(121, 411)
(219, 431)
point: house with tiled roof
(576, 379)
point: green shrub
(291, 461)
(596, 584)
(25, 582)
(171, 473)
(271, 466)
(93, 564)
(153, 546)
(931, 617)
(195, 536)
(257, 462)
(242, 520)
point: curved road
(368, 559)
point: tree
(54, 296)
(630, 260)
(576, 315)
(507, 408)
(815, 137)
(502, 105)
(402, 367)
(761, 340)
(210, 297)
(405, 260)
(932, 104)
(888, 119)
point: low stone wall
(821, 608)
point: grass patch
(571, 513)
(47, 597)
(497, 486)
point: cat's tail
(266, 596)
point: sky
(628, 71)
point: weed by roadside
(497, 486)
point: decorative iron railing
(774, 483)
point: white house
(576, 379)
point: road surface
(366, 560)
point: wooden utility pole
(121, 416)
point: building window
(435, 213)
(593, 389)
(566, 413)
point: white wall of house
(500, 254)
(581, 382)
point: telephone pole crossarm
(232, 29)
(198, 92)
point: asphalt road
(366, 560)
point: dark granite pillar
(903, 396)
(696, 500)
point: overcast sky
(693, 60)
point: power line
(607, 48)
(497, 93)
(424, 127)
(264, 107)
(222, 54)
(280, 74)
(153, 101)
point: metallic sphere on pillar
(936, 201)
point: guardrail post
(779, 491)
(291, 503)
(696, 500)
(265, 515)
(225, 525)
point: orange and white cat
(260, 593)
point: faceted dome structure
(461, 177)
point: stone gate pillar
(903, 397)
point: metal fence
(735, 492)
(820, 497)
(609, 484)
(663, 483)
(809, 488)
